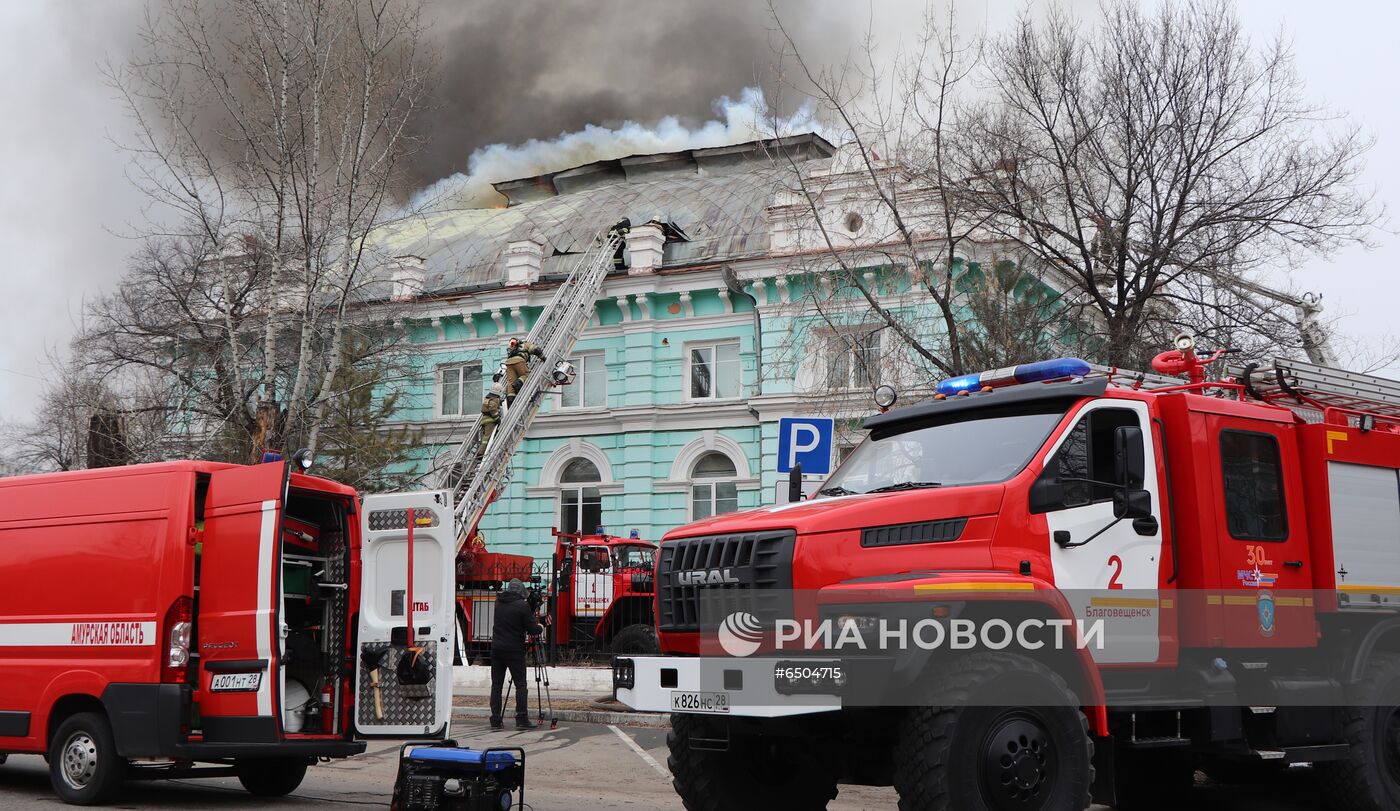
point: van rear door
(405, 689)
(240, 592)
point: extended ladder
(474, 481)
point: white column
(622, 305)
(686, 306)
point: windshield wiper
(836, 490)
(889, 488)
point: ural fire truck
(599, 595)
(1236, 542)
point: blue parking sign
(805, 441)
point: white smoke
(745, 119)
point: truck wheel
(636, 639)
(964, 755)
(752, 774)
(272, 777)
(1369, 778)
(83, 763)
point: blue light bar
(1025, 373)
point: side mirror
(1129, 464)
(1047, 494)
(1132, 504)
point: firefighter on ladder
(490, 416)
(518, 365)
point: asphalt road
(577, 767)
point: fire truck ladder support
(474, 481)
(1309, 387)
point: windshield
(635, 557)
(972, 451)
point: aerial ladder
(476, 479)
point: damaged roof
(718, 198)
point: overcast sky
(65, 203)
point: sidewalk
(577, 694)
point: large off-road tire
(83, 763)
(1369, 778)
(636, 640)
(271, 777)
(968, 756)
(755, 772)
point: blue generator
(441, 776)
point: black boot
(525, 723)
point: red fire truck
(1242, 537)
(600, 594)
(197, 618)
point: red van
(155, 617)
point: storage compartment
(315, 609)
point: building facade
(705, 337)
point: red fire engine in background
(1241, 536)
(599, 594)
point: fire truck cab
(195, 618)
(604, 592)
(1236, 543)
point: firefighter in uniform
(490, 415)
(518, 365)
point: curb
(632, 719)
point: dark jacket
(514, 620)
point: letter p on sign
(805, 441)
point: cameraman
(514, 621)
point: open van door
(403, 680)
(239, 600)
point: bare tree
(1088, 188)
(271, 135)
(1159, 160)
(903, 281)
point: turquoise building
(720, 322)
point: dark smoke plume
(512, 70)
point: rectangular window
(713, 498)
(853, 360)
(589, 390)
(581, 509)
(1252, 468)
(714, 370)
(1083, 465)
(460, 388)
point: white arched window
(580, 505)
(713, 488)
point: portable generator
(440, 776)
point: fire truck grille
(692, 571)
